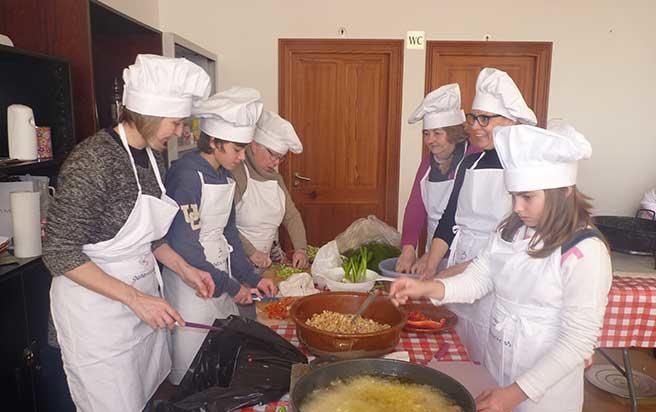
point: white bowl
(333, 281)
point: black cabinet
(24, 302)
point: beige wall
(146, 11)
(602, 77)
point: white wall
(146, 11)
(602, 79)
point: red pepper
(416, 316)
(427, 324)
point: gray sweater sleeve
(74, 214)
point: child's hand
(405, 288)
(267, 286)
(500, 399)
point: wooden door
(528, 63)
(344, 99)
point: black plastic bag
(244, 364)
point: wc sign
(415, 40)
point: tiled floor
(597, 400)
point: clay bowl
(348, 346)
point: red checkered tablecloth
(630, 319)
(420, 347)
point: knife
(202, 326)
(256, 298)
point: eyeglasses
(275, 156)
(482, 119)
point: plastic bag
(242, 365)
(327, 257)
(367, 230)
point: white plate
(333, 280)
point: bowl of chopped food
(325, 325)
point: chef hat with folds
(277, 134)
(231, 114)
(163, 86)
(534, 158)
(497, 93)
(440, 108)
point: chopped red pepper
(416, 316)
(427, 324)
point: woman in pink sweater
(444, 135)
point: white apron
(260, 212)
(215, 207)
(113, 360)
(435, 196)
(524, 323)
(482, 204)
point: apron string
(124, 140)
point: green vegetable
(311, 252)
(285, 271)
(355, 267)
(378, 253)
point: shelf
(26, 166)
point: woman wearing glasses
(445, 137)
(263, 202)
(479, 200)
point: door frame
(394, 51)
(541, 51)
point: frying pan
(406, 371)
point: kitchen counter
(632, 265)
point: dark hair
(145, 124)
(205, 140)
(563, 215)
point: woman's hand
(429, 270)
(260, 259)
(199, 280)
(300, 259)
(406, 288)
(243, 297)
(155, 311)
(267, 286)
(420, 264)
(407, 259)
(500, 399)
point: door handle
(299, 177)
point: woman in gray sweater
(102, 244)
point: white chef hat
(231, 114)
(534, 158)
(163, 86)
(440, 108)
(277, 134)
(496, 92)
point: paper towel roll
(26, 218)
